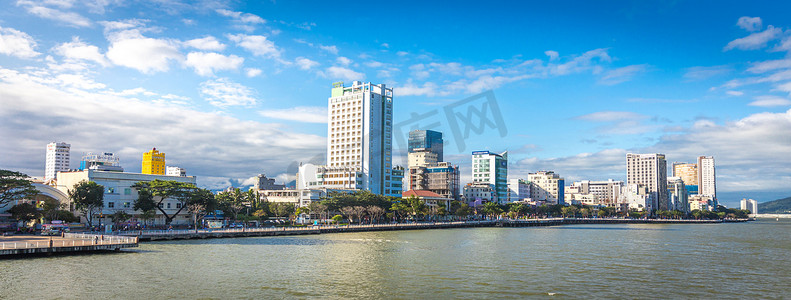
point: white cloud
(553, 55)
(374, 64)
(129, 48)
(610, 116)
(341, 73)
(750, 24)
(726, 142)
(343, 61)
(309, 114)
(770, 65)
(770, 101)
(734, 93)
(402, 53)
(79, 50)
(241, 17)
(135, 91)
(580, 63)
(243, 148)
(331, 49)
(622, 74)
(206, 64)
(70, 18)
(755, 40)
(223, 92)
(209, 43)
(257, 44)
(386, 45)
(703, 73)
(305, 64)
(252, 72)
(146, 55)
(16, 43)
(619, 122)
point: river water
(744, 260)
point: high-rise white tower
(707, 181)
(57, 160)
(360, 135)
(649, 170)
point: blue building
(426, 140)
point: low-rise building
(432, 200)
(476, 194)
(638, 197)
(518, 190)
(547, 186)
(175, 171)
(119, 194)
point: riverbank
(158, 235)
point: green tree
(15, 186)
(148, 215)
(50, 209)
(318, 208)
(282, 209)
(88, 198)
(492, 209)
(233, 202)
(119, 217)
(24, 212)
(199, 202)
(400, 208)
(337, 219)
(67, 216)
(462, 210)
(161, 190)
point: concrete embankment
(284, 231)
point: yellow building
(153, 162)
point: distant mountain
(779, 206)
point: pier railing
(71, 240)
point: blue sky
(232, 89)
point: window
(127, 204)
(160, 205)
(178, 205)
(110, 204)
(127, 191)
(168, 204)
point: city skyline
(246, 86)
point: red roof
(420, 193)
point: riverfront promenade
(155, 235)
(70, 242)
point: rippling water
(603, 261)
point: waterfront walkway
(154, 235)
(70, 242)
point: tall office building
(57, 160)
(153, 162)
(688, 173)
(649, 170)
(707, 182)
(678, 196)
(491, 168)
(749, 204)
(426, 140)
(360, 135)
